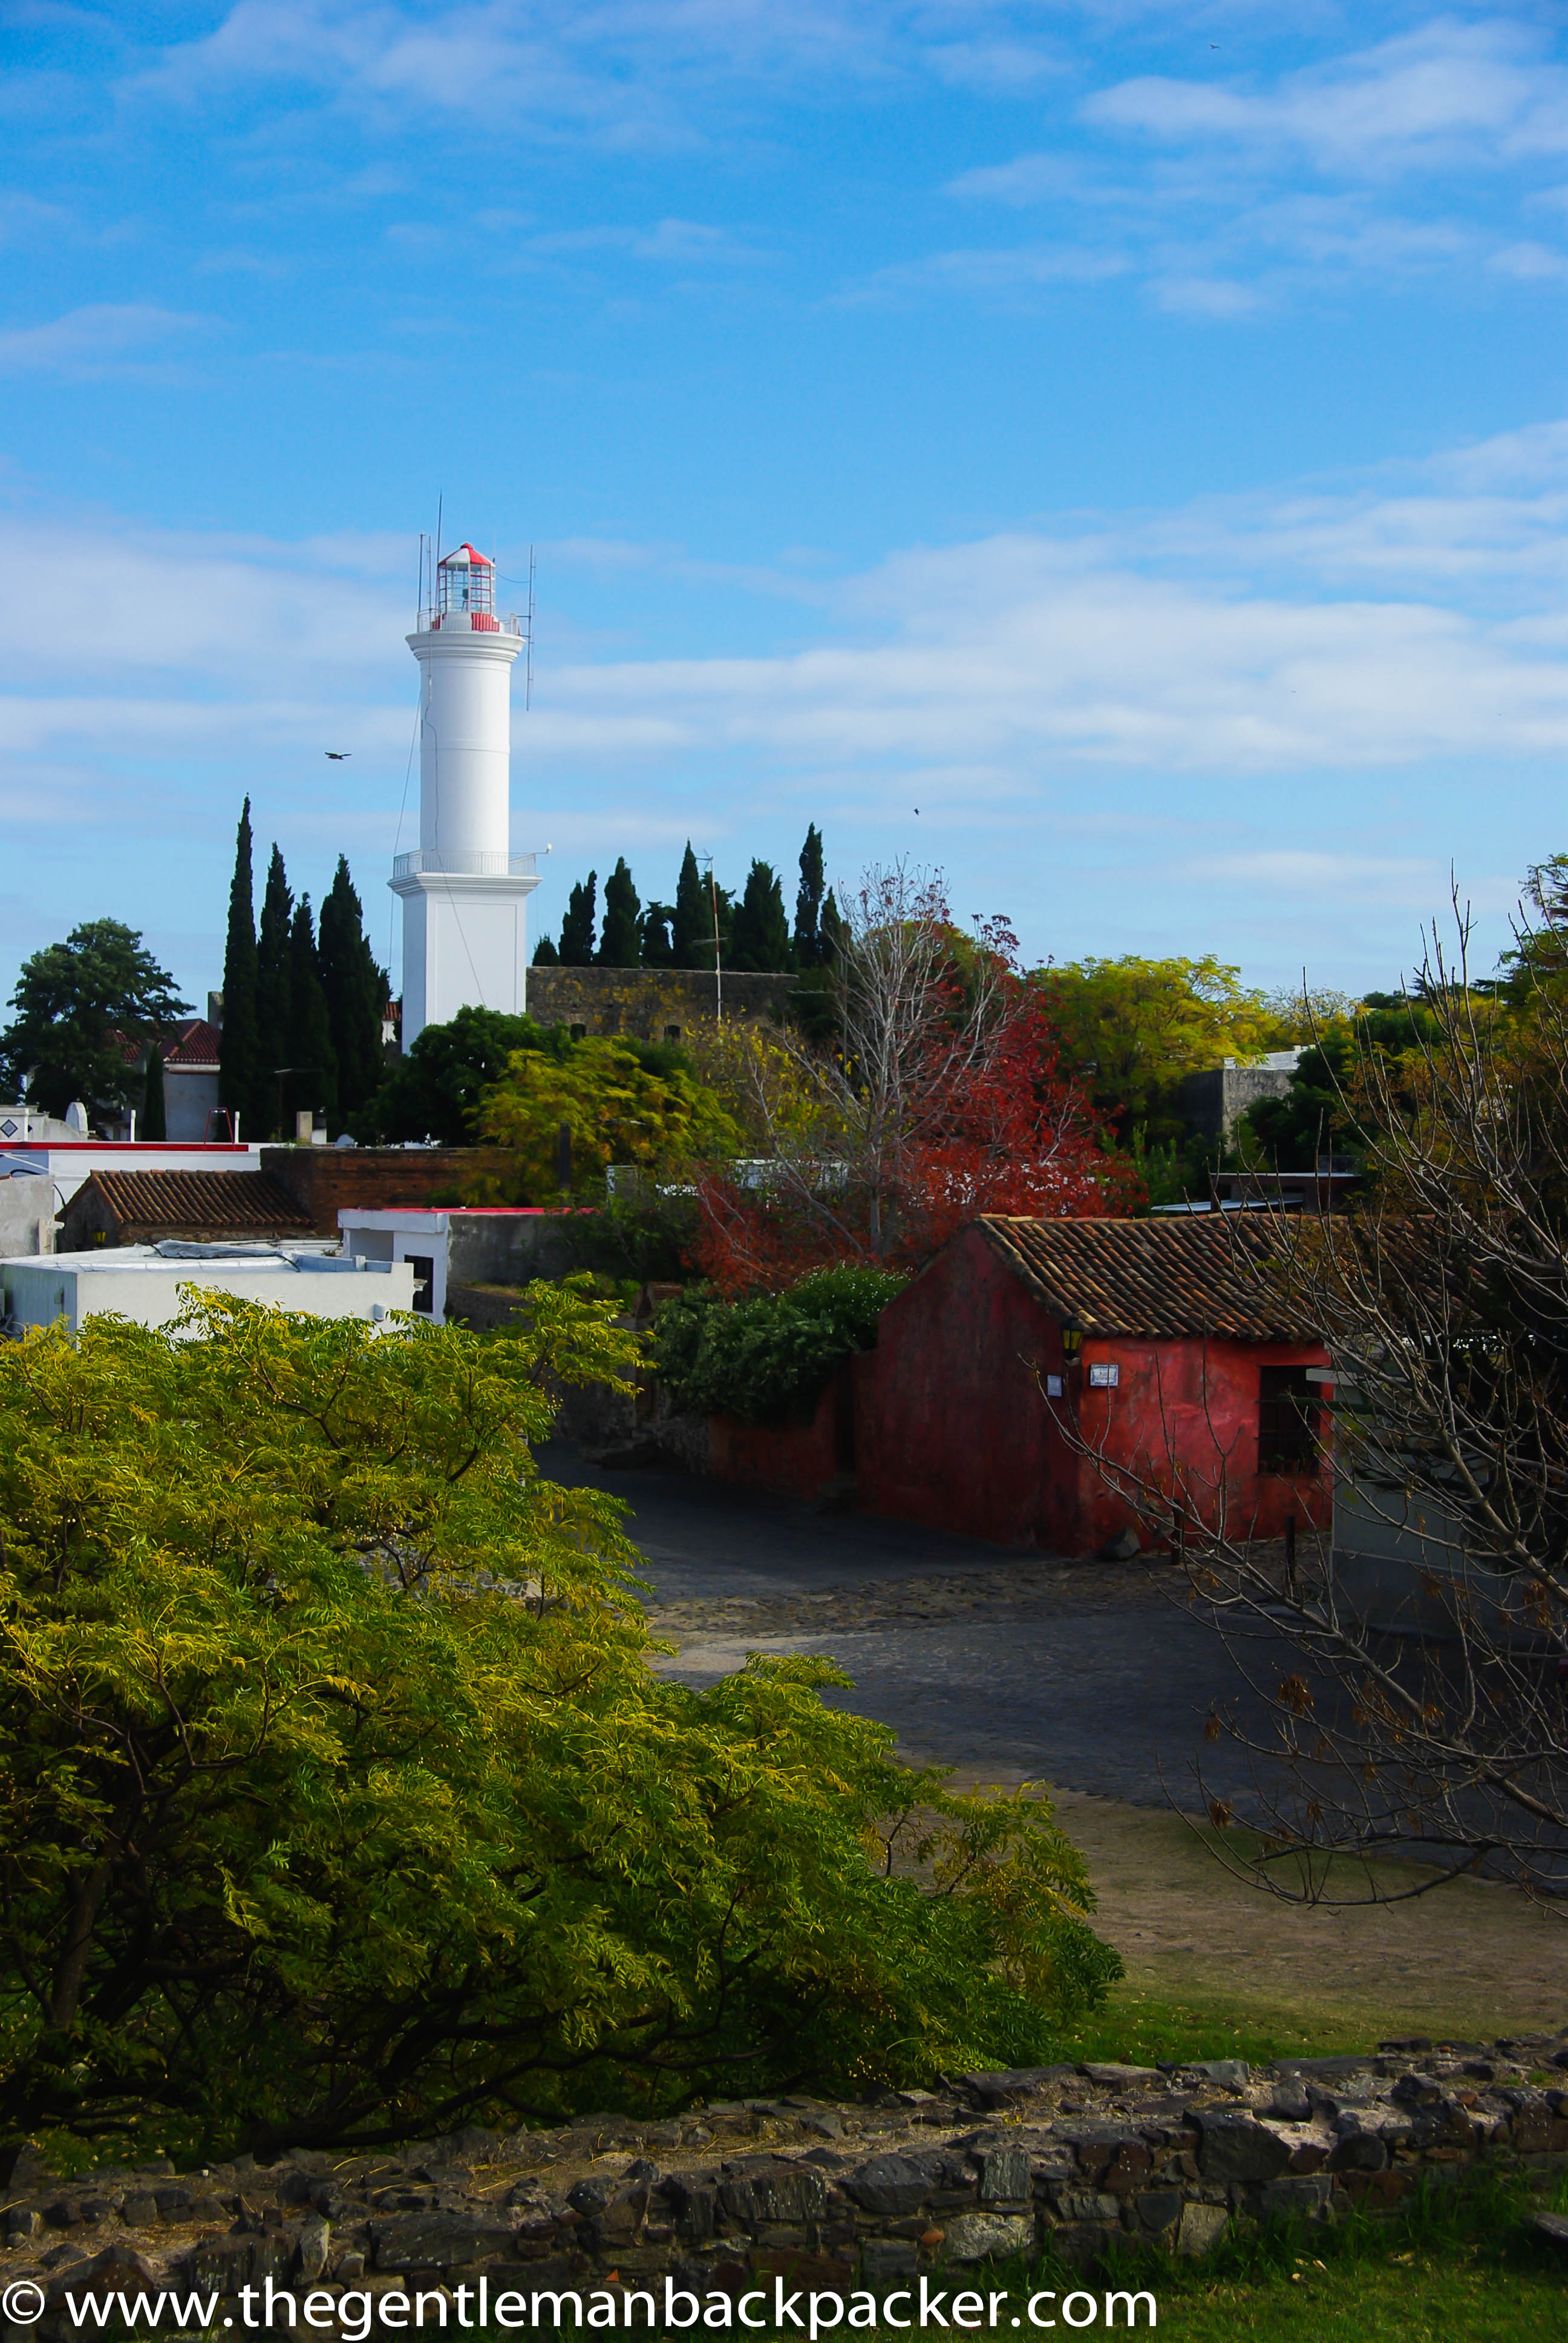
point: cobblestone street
(1092, 1677)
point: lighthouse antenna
(529, 639)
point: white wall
(76, 1286)
(26, 1214)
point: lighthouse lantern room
(464, 891)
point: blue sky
(1133, 434)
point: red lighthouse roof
(465, 557)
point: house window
(1287, 1422)
(424, 1269)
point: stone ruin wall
(1082, 2159)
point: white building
(464, 892)
(142, 1282)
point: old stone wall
(654, 1004)
(1081, 2159)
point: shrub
(768, 1359)
(339, 1802)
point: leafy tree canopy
(619, 939)
(434, 1093)
(759, 933)
(656, 945)
(1134, 1027)
(577, 927)
(339, 1802)
(692, 926)
(809, 942)
(1327, 1111)
(620, 1103)
(356, 988)
(768, 1358)
(72, 1001)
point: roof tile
(232, 1203)
(1203, 1275)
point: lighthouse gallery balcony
(421, 863)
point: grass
(1456, 2265)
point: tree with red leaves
(941, 1097)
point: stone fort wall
(650, 1004)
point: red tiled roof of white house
(195, 1043)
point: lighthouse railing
(423, 862)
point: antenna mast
(528, 671)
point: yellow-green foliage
(615, 1108)
(1144, 1025)
(338, 1801)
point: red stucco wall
(952, 1426)
(793, 1460)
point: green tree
(617, 1108)
(274, 1003)
(312, 1061)
(434, 1091)
(808, 939)
(339, 1804)
(241, 1081)
(657, 950)
(154, 1122)
(356, 989)
(77, 1003)
(1134, 1027)
(577, 927)
(692, 926)
(545, 954)
(759, 933)
(1327, 1110)
(619, 942)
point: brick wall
(646, 1001)
(326, 1180)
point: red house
(1154, 1345)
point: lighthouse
(464, 892)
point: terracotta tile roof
(1202, 1275)
(228, 1203)
(195, 1043)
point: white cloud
(1016, 688)
(114, 337)
(1481, 92)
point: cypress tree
(761, 937)
(618, 939)
(356, 990)
(656, 948)
(154, 1120)
(692, 941)
(835, 930)
(313, 1083)
(273, 1017)
(545, 954)
(241, 1086)
(577, 927)
(808, 902)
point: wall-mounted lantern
(1071, 1339)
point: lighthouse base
(464, 945)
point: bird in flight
(338, 755)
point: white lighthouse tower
(464, 926)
